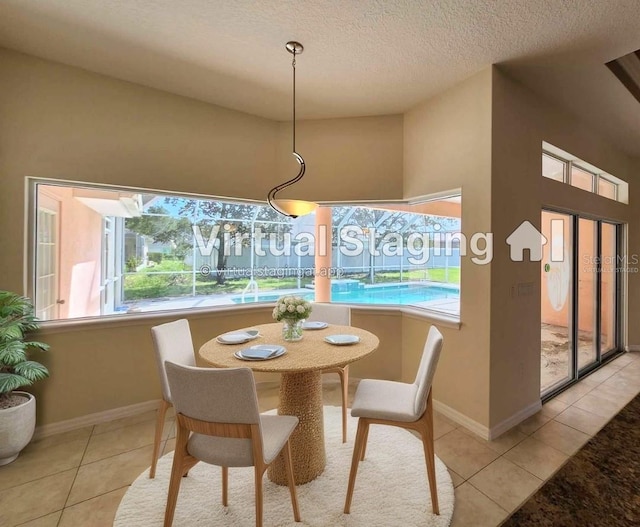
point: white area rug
(391, 489)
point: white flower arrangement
(292, 308)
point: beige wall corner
(447, 145)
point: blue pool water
(376, 294)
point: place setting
(260, 352)
(314, 325)
(342, 340)
(238, 337)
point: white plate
(342, 340)
(238, 337)
(260, 352)
(313, 324)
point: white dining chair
(339, 315)
(399, 404)
(171, 341)
(218, 422)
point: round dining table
(300, 385)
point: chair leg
(259, 473)
(286, 451)
(364, 441)
(427, 440)
(177, 470)
(162, 412)
(225, 486)
(357, 452)
(344, 381)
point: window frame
(596, 176)
(31, 225)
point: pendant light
(292, 207)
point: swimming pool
(402, 294)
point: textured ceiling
(362, 57)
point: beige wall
(447, 145)
(521, 122)
(63, 122)
(347, 159)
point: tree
(158, 225)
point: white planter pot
(17, 425)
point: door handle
(60, 301)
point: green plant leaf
(12, 381)
(32, 370)
(12, 353)
(35, 344)
(10, 329)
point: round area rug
(391, 488)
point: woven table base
(301, 395)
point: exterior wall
(447, 145)
(80, 254)
(521, 122)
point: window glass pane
(581, 179)
(606, 188)
(398, 254)
(123, 251)
(553, 168)
(608, 295)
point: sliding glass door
(579, 304)
(557, 366)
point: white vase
(17, 425)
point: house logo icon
(526, 237)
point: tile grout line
(76, 475)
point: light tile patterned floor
(78, 478)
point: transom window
(565, 168)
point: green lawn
(145, 285)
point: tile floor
(78, 478)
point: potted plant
(17, 409)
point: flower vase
(292, 330)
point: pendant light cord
(272, 193)
(293, 67)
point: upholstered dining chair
(399, 404)
(340, 315)
(171, 341)
(218, 422)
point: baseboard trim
(479, 429)
(634, 347)
(461, 419)
(514, 420)
(95, 418)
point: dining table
(300, 392)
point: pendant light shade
(292, 207)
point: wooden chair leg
(355, 460)
(177, 470)
(259, 473)
(286, 451)
(427, 441)
(225, 486)
(364, 441)
(162, 412)
(344, 381)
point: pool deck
(449, 306)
